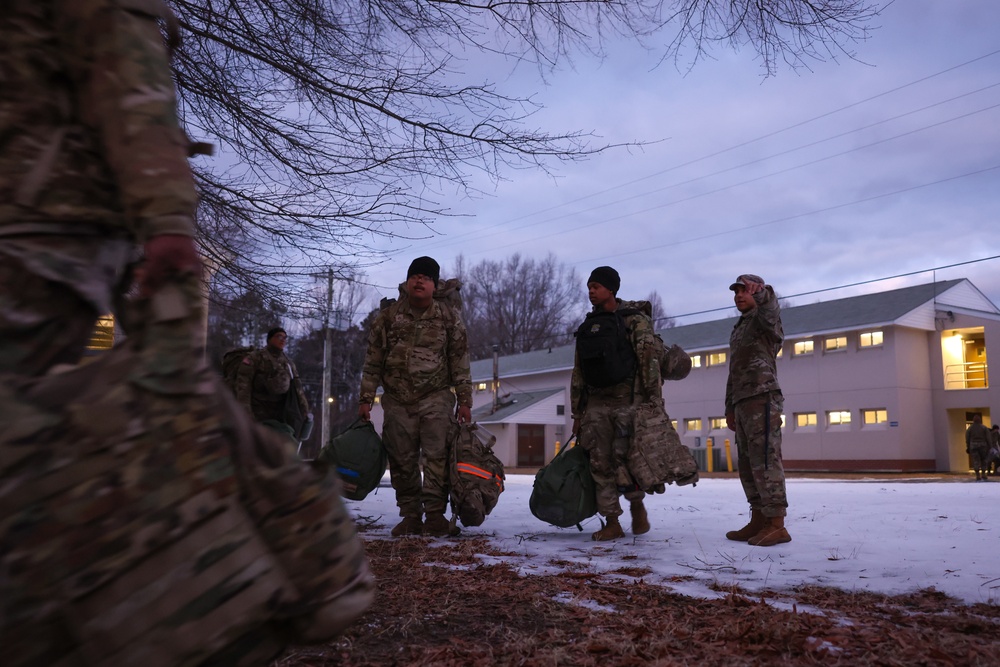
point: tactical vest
(604, 349)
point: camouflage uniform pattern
(418, 359)
(977, 443)
(263, 381)
(171, 530)
(606, 414)
(75, 191)
(753, 396)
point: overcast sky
(854, 171)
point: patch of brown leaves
(441, 605)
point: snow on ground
(886, 536)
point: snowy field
(856, 535)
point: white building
(881, 382)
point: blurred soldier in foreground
(754, 404)
(419, 353)
(143, 518)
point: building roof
(511, 404)
(878, 309)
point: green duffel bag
(564, 493)
(359, 457)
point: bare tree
(660, 319)
(342, 120)
(518, 304)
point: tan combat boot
(436, 525)
(772, 533)
(640, 520)
(410, 525)
(757, 522)
(612, 530)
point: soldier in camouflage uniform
(143, 518)
(264, 379)
(753, 410)
(977, 445)
(418, 352)
(603, 416)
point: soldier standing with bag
(615, 368)
(418, 352)
(753, 410)
(263, 382)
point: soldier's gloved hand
(365, 411)
(167, 256)
(464, 414)
(731, 421)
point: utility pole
(324, 432)
(496, 379)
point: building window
(805, 419)
(835, 344)
(871, 338)
(560, 409)
(695, 361)
(716, 359)
(780, 350)
(692, 425)
(717, 423)
(874, 416)
(838, 417)
(103, 336)
(802, 347)
(481, 386)
(673, 422)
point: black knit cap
(424, 266)
(276, 330)
(605, 275)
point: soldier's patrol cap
(741, 281)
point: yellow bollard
(557, 448)
(708, 454)
(729, 457)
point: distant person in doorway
(978, 439)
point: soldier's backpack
(604, 349)
(146, 520)
(359, 457)
(564, 493)
(475, 476)
(656, 455)
(231, 361)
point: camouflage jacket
(647, 383)
(412, 355)
(753, 350)
(262, 382)
(89, 138)
(978, 436)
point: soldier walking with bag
(753, 410)
(419, 353)
(616, 368)
(263, 382)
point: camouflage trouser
(415, 434)
(758, 445)
(978, 457)
(604, 433)
(52, 289)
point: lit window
(780, 350)
(692, 424)
(804, 419)
(378, 400)
(872, 416)
(481, 386)
(673, 422)
(782, 420)
(717, 423)
(803, 347)
(871, 339)
(838, 417)
(716, 359)
(695, 361)
(103, 336)
(836, 343)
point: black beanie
(424, 266)
(272, 332)
(605, 275)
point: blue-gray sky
(856, 170)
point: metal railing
(969, 375)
